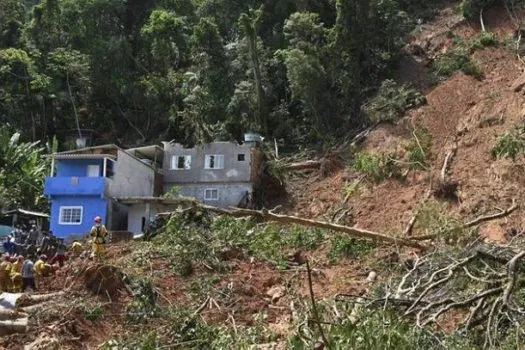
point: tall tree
(249, 23)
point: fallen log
(11, 314)
(13, 326)
(25, 299)
(502, 213)
(308, 165)
(269, 215)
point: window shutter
(220, 161)
(187, 162)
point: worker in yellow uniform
(98, 234)
(76, 248)
(16, 274)
(42, 269)
(5, 269)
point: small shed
(23, 217)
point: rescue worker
(76, 248)
(16, 274)
(9, 246)
(42, 268)
(60, 256)
(98, 233)
(28, 276)
(5, 269)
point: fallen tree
(482, 284)
(270, 215)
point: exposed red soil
(455, 111)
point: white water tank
(252, 137)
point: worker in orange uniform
(98, 233)
(5, 269)
(16, 274)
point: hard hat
(98, 219)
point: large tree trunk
(288, 219)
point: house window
(241, 157)
(70, 216)
(211, 194)
(214, 161)
(93, 170)
(110, 166)
(180, 162)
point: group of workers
(17, 274)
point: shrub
(510, 145)
(457, 59)
(346, 247)
(377, 167)
(392, 101)
(419, 148)
(482, 40)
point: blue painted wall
(56, 186)
(92, 205)
(75, 167)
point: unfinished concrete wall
(131, 177)
(229, 194)
(234, 170)
(137, 214)
(117, 216)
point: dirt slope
(457, 111)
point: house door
(93, 170)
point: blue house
(88, 182)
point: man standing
(28, 276)
(16, 274)
(98, 233)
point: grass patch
(511, 144)
(342, 247)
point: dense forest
(194, 70)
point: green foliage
(419, 148)
(377, 167)
(482, 40)
(376, 329)
(144, 303)
(195, 70)
(188, 241)
(180, 326)
(22, 171)
(472, 8)
(458, 59)
(511, 144)
(353, 188)
(392, 101)
(435, 219)
(94, 312)
(345, 247)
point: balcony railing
(75, 186)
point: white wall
(138, 211)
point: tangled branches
(480, 284)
